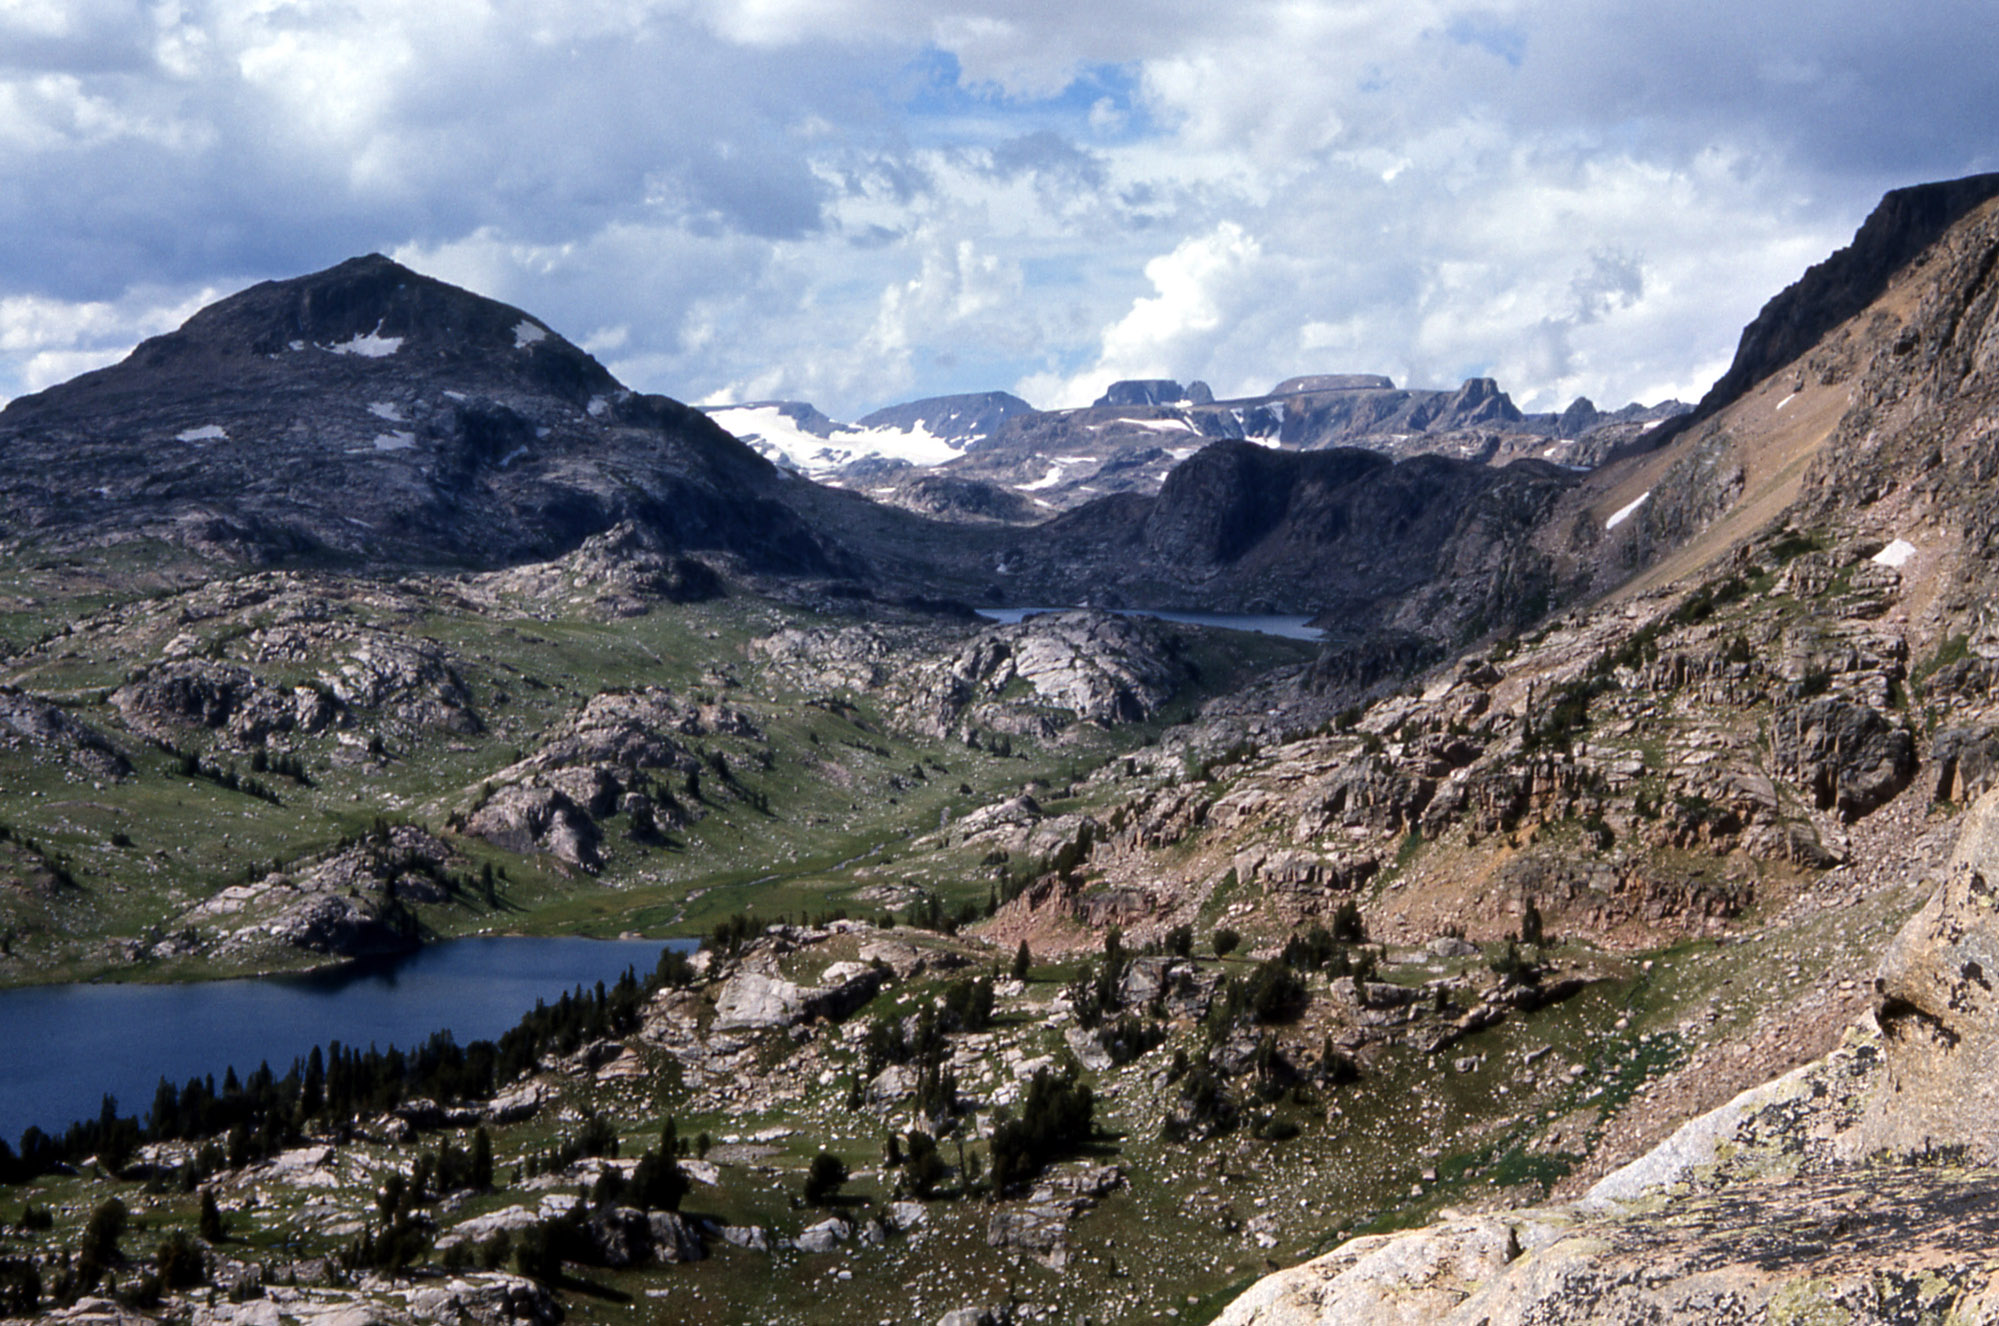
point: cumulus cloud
(855, 201)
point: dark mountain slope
(1433, 543)
(367, 414)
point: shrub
(1226, 942)
(181, 1262)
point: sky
(860, 202)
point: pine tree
(482, 1160)
(213, 1229)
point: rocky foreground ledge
(1860, 1188)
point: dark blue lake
(1289, 625)
(63, 1046)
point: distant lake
(66, 1045)
(1263, 623)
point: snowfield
(777, 436)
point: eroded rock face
(1848, 756)
(534, 819)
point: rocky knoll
(32, 724)
(1020, 678)
(1856, 1189)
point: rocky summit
(366, 414)
(1594, 923)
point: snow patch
(371, 345)
(1650, 424)
(527, 333)
(1056, 468)
(394, 441)
(777, 436)
(1896, 554)
(205, 433)
(294, 345)
(597, 408)
(1623, 513)
(1181, 453)
(1787, 400)
(512, 456)
(454, 395)
(385, 410)
(1160, 425)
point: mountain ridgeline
(367, 416)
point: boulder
(751, 999)
(826, 1236)
(523, 1102)
(968, 1317)
(490, 1298)
(753, 1237)
(673, 1238)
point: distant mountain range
(1002, 459)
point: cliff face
(1432, 545)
